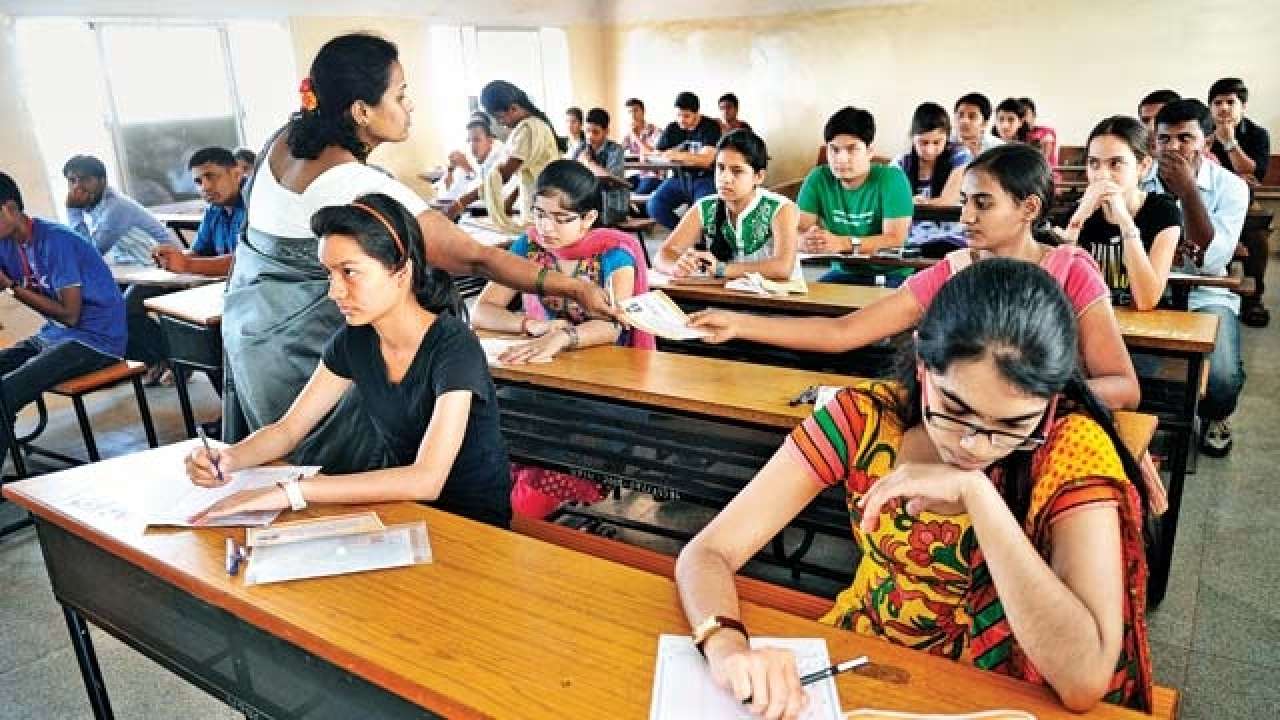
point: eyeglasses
(540, 215)
(997, 438)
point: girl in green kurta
(743, 228)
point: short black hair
(1160, 97)
(216, 155)
(1229, 86)
(576, 112)
(688, 101)
(9, 191)
(482, 124)
(850, 120)
(1186, 110)
(729, 98)
(245, 155)
(598, 116)
(977, 100)
(85, 165)
(635, 102)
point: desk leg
(1162, 557)
(88, 659)
(184, 397)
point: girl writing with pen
(998, 513)
(745, 227)
(416, 369)
(566, 208)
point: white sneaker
(1216, 440)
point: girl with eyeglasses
(995, 527)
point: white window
(143, 96)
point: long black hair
(1015, 313)
(928, 117)
(751, 147)
(432, 286)
(570, 181)
(1022, 171)
(1015, 106)
(348, 68)
(499, 95)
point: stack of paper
(335, 547)
(176, 503)
(684, 690)
(761, 285)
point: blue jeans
(683, 189)
(31, 366)
(645, 184)
(1226, 367)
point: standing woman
(277, 317)
(531, 146)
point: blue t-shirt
(59, 258)
(219, 230)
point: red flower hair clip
(309, 102)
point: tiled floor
(1217, 635)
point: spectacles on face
(997, 438)
(561, 218)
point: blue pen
(205, 439)
(235, 555)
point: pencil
(205, 439)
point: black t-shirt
(1253, 140)
(707, 132)
(450, 358)
(1102, 239)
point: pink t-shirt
(1073, 268)
(1038, 135)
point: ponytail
(499, 95)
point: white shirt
(276, 210)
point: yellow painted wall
(590, 70)
(1081, 60)
(19, 152)
(425, 147)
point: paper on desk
(683, 688)
(495, 347)
(655, 313)
(395, 546)
(658, 279)
(761, 285)
(175, 505)
(312, 528)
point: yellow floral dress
(922, 581)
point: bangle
(571, 332)
(538, 284)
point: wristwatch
(1229, 145)
(293, 491)
(714, 624)
(721, 268)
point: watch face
(704, 627)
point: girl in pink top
(1007, 194)
(1042, 137)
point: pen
(825, 673)
(235, 554)
(205, 439)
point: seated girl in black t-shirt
(1131, 233)
(420, 373)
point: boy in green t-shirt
(852, 201)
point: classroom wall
(425, 147)
(1080, 61)
(19, 154)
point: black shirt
(1102, 239)
(450, 358)
(1253, 140)
(707, 132)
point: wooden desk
(158, 277)
(181, 217)
(499, 625)
(191, 322)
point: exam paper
(176, 503)
(683, 688)
(655, 313)
(310, 529)
(761, 285)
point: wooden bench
(108, 377)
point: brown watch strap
(724, 621)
